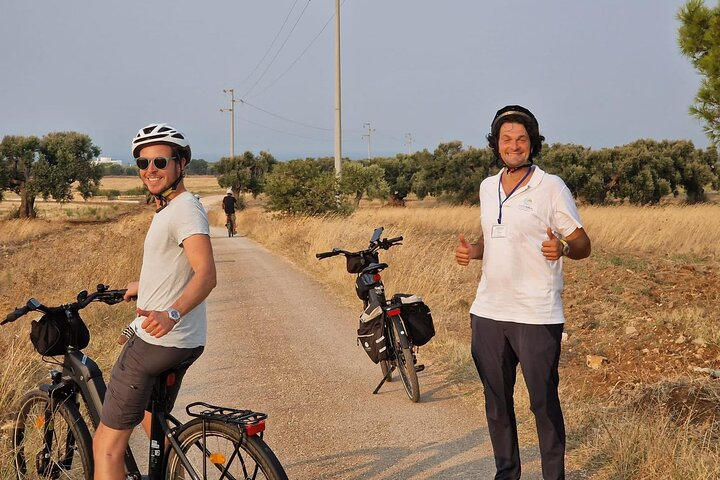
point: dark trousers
(497, 348)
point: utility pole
(409, 141)
(231, 91)
(368, 135)
(338, 121)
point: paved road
(281, 344)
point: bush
(303, 187)
(111, 194)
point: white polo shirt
(518, 284)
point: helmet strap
(162, 198)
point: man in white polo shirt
(529, 223)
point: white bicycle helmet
(160, 133)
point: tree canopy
(699, 39)
(245, 173)
(48, 167)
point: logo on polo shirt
(527, 205)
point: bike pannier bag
(417, 318)
(371, 334)
(52, 334)
(357, 261)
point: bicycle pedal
(419, 368)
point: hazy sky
(595, 72)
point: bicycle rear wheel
(230, 227)
(405, 363)
(51, 443)
(222, 452)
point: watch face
(173, 314)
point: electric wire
(299, 56)
(279, 50)
(271, 44)
(284, 132)
(245, 102)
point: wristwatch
(173, 314)
(566, 248)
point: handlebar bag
(371, 333)
(53, 333)
(357, 261)
(417, 317)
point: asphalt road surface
(279, 343)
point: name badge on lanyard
(500, 230)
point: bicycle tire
(70, 441)
(255, 460)
(405, 365)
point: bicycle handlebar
(385, 244)
(110, 297)
(19, 312)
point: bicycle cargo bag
(417, 317)
(371, 333)
(357, 261)
(53, 333)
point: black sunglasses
(160, 162)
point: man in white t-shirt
(178, 273)
(529, 223)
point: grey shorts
(133, 376)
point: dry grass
(653, 268)
(67, 260)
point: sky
(598, 73)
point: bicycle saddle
(374, 268)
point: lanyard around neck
(500, 201)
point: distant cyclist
(230, 204)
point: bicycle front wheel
(223, 452)
(51, 443)
(405, 364)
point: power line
(271, 44)
(245, 102)
(279, 50)
(283, 132)
(298, 57)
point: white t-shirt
(166, 271)
(518, 284)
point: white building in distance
(106, 161)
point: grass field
(646, 300)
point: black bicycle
(390, 331)
(51, 438)
(230, 224)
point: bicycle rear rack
(224, 414)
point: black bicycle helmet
(516, 114)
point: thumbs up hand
(463, 250)
(552, 247)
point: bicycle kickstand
(385, 378)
